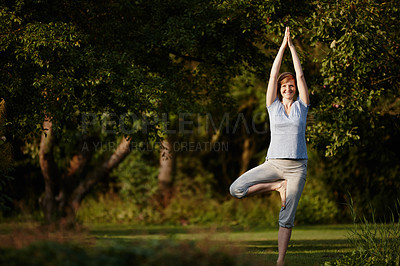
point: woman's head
(287, 85)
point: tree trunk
(248, 150)
(64, 193)
(165, 173)
(78, 168)
(248, 144)
(49, 171)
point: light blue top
(288, 140)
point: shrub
(316, 205)
(374, 243)
(184, 209)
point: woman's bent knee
(236, 192)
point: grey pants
(293, 171)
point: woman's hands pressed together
(288, 37)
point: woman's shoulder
(274, 104)
(299, 102)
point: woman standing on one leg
(285, 168)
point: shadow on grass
(300, 252)
(300, 245)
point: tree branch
(77, 168)
(97, 174)
(187, 57)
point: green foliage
(367, 173)
(136, 177)
(249, 213)
(108, 208)
(111, 57)
(316, 205)
(196, 201)
(374, 243)
(153, 57)
(256, 212)
(360, 68)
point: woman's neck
(287, 102)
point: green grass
(309, 245)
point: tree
(64, 62)
(82, 73)
(360, 84)
(356, 103)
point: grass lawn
(309, 245)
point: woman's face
(288, 89)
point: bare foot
(282, 192)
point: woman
(285, 168)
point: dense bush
(198, 209)
(183, 210)
(316, 207)
(196, 201)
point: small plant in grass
(375, 243)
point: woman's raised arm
(301, 81)
(273, 77)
